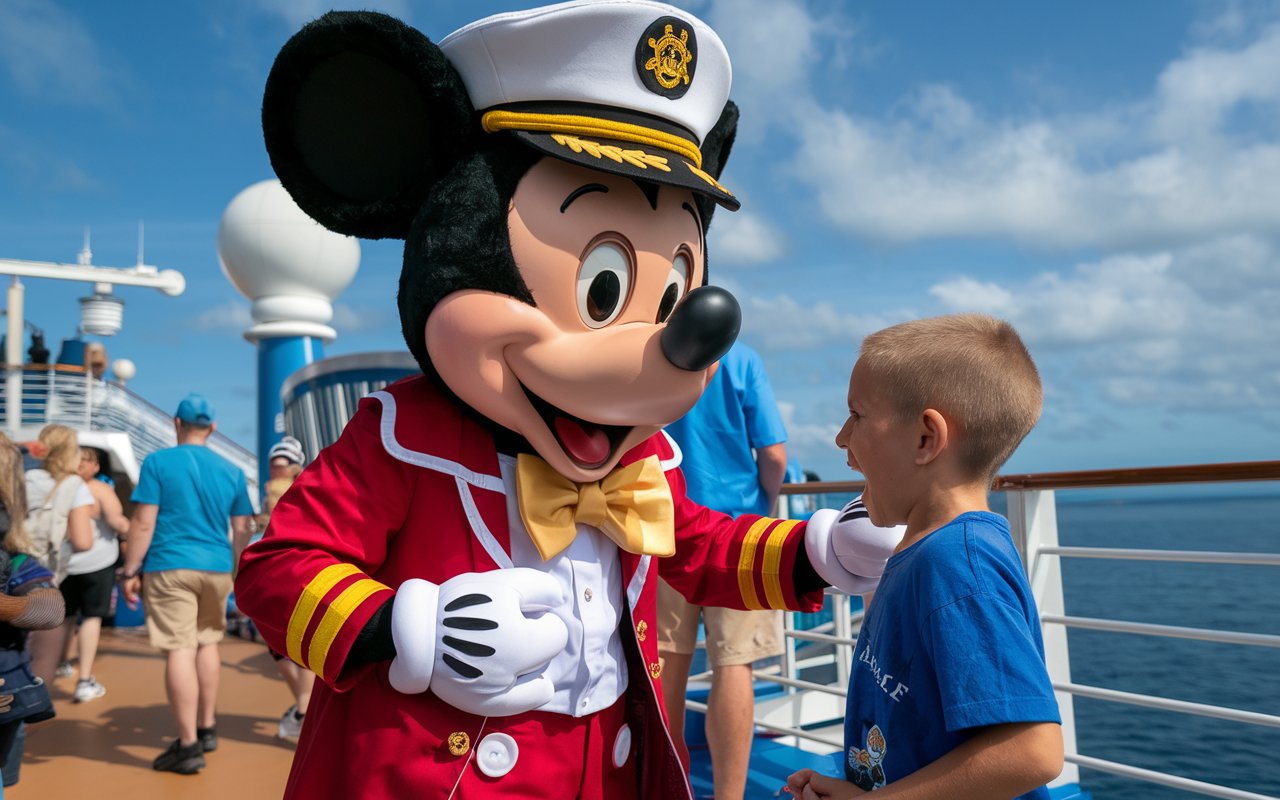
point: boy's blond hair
(972, 368)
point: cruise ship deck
(102, 750)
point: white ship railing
(810, 714)
(71, 396)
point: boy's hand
(809, 785)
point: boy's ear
(935, 435)
(361, 115)
(715, 152)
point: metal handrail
(74, 397)
(1167, 704)
(1167, 631)
(799, 733)
(1164, 779)
(1185, 556)
(1090, 479)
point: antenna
(85, 257)
(141, 266)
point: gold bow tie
(632, 506)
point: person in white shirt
(91, 574)
(59, 521)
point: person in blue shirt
(733, 459)
(949, 695)
(186, 499)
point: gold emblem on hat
(671, 57)
(459, 743)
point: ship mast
(101, 309)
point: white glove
(480, 641)
(847, 549)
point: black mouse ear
(715, 152)
(361, 115)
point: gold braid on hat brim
(494, 121)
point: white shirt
(104, 552)
(40, 483)
(590, 674)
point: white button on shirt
(590, 674)
(496, 754)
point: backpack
(47, 527)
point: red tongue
(586, 447)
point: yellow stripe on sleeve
(773, 547)
(746, 563)
(307, 604)
(331, 623)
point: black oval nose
(702, 328)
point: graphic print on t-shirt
(866, 765)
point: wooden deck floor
(102, 750)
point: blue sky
(1105, 175)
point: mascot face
(581, 374)
(553, 277)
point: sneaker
(208, 738)
(64, 670)
(88, 689)
(182, 760)
(290, 726)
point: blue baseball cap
(195, 409)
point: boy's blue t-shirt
(950, 643)
(197, 492)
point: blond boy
(949, 696)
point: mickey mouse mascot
(471, 568)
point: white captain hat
(626, 86)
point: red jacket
(389, 501)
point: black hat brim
(640, 162)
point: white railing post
(1033, 521)
(843, 628)
(13, 356)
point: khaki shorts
(185, 607)
(733, 636)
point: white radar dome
(269, 247)
(123, 369)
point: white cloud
(783, 324)
(744, 238)
(49, 53)
(350, 319)
(1195, 94)
(231, 315)
(807, 436)
(775, 45)
(1169, 167)
(1151, 330)
(967, 294)
(35, 166)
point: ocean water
(1225, 597)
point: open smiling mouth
(587, 444)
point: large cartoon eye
(604, 279)
(676, 287)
